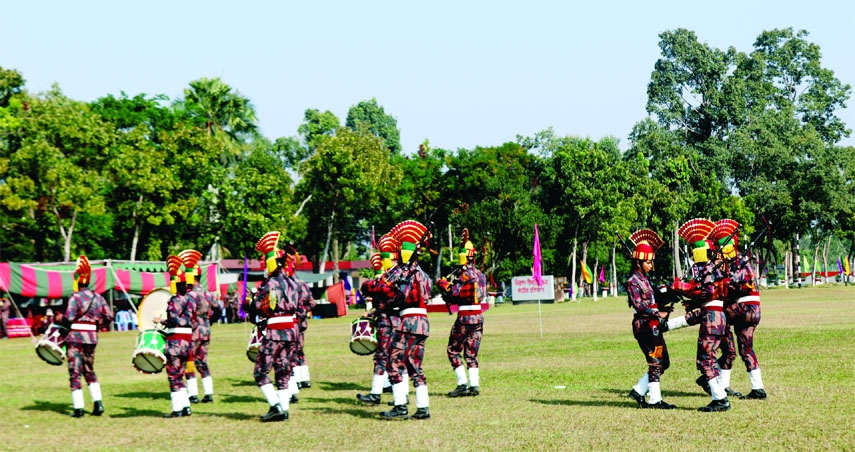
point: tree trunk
(135, 242)
(573, 286)
(335, 257)
(614, 282)
(678, 269)
(323, 261)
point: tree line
(751, 136)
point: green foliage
(370, 113)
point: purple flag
(241, 312)
(537, 267)
(602, 277)
(839, 266)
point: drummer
(201, 332)
(305, 304)
(86, 310)
(180, 319)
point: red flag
(602, 277)
(537, 267)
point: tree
(379, 123)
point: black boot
(392, 402)
(459, 391)
(98, 409)
(174, 414)
(634, 395)
(387, 389)
(294, 398)
(473, 391)
(275, 414)
(373, 399)
(421, 413)
(716, 405)
(704, 383)
(398, 412)
(305, 384)
(758, 394)
(194, 399)
(732, 393)
(208, 398)
(186, 411)
(78, 412)
(660, 405)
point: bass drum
(153, 305)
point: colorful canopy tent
(55, 281)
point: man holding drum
(276, 301)
(201, 332)
(305, 304)
(180, 321)
(467, 288)
(86, 310)
(408, 344)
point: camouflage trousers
(465, 338)
(653, 347)
(713, 328)
(199, 356)
(299, 357)
(384, 349)
(745, 318)
(81, 360)
(276, 355)
(177, 354)
(408, 352)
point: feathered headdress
(266, 245)
(376, 263)
(177, 275)
(190, 259)
(82, 272)
(409, 234)
(388, 248)
(695, 232)
(645, 244)
(467, 249)
(726, 236)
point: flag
(807, 265)
(586, 273)
(537, 267)
(373, 240)
(241, 312)
(602, 277)
(846, 267)
(839, 266)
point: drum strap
(281, 322)
(84, 326)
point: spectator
(124, 320)
(5, 307)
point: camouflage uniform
(305, 304)
(180, 322)
(645, 325)
(712, 325)
(408, 343)
(86, 310)
(276, 301)
(467, 292)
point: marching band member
(468, 291)
(707, 290)
(742, 308)
(305, 304)
(408, 344)
(386, 314)
(86, 310)
(180, 321)
(276, 301)
(645, 322)
(200, 300)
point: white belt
(180, 330)
(280, 319)
(748, 298)
(714, 303)
(83, 327)
(413, 311)
(474, 307)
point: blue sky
(459, 73)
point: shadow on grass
(366, 413)
(154, 395)
(670, 393)
(228, 398)
(330, 386)
(38, 405)
(133, 412)
(241, 382)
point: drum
(363, 336)
(51, 347)
(254, 343)
(148, 354)
(152, 305)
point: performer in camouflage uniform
(305, 304)
(386, 314)
(467, 290)
(408, 343)
(742, 309)
(180, 321)
(86, 310)
(645, 322)
(276, 302)
(706, 291)
(201, 302)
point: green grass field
(564, 389)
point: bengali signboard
(524, 288)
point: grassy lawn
(562, 389)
